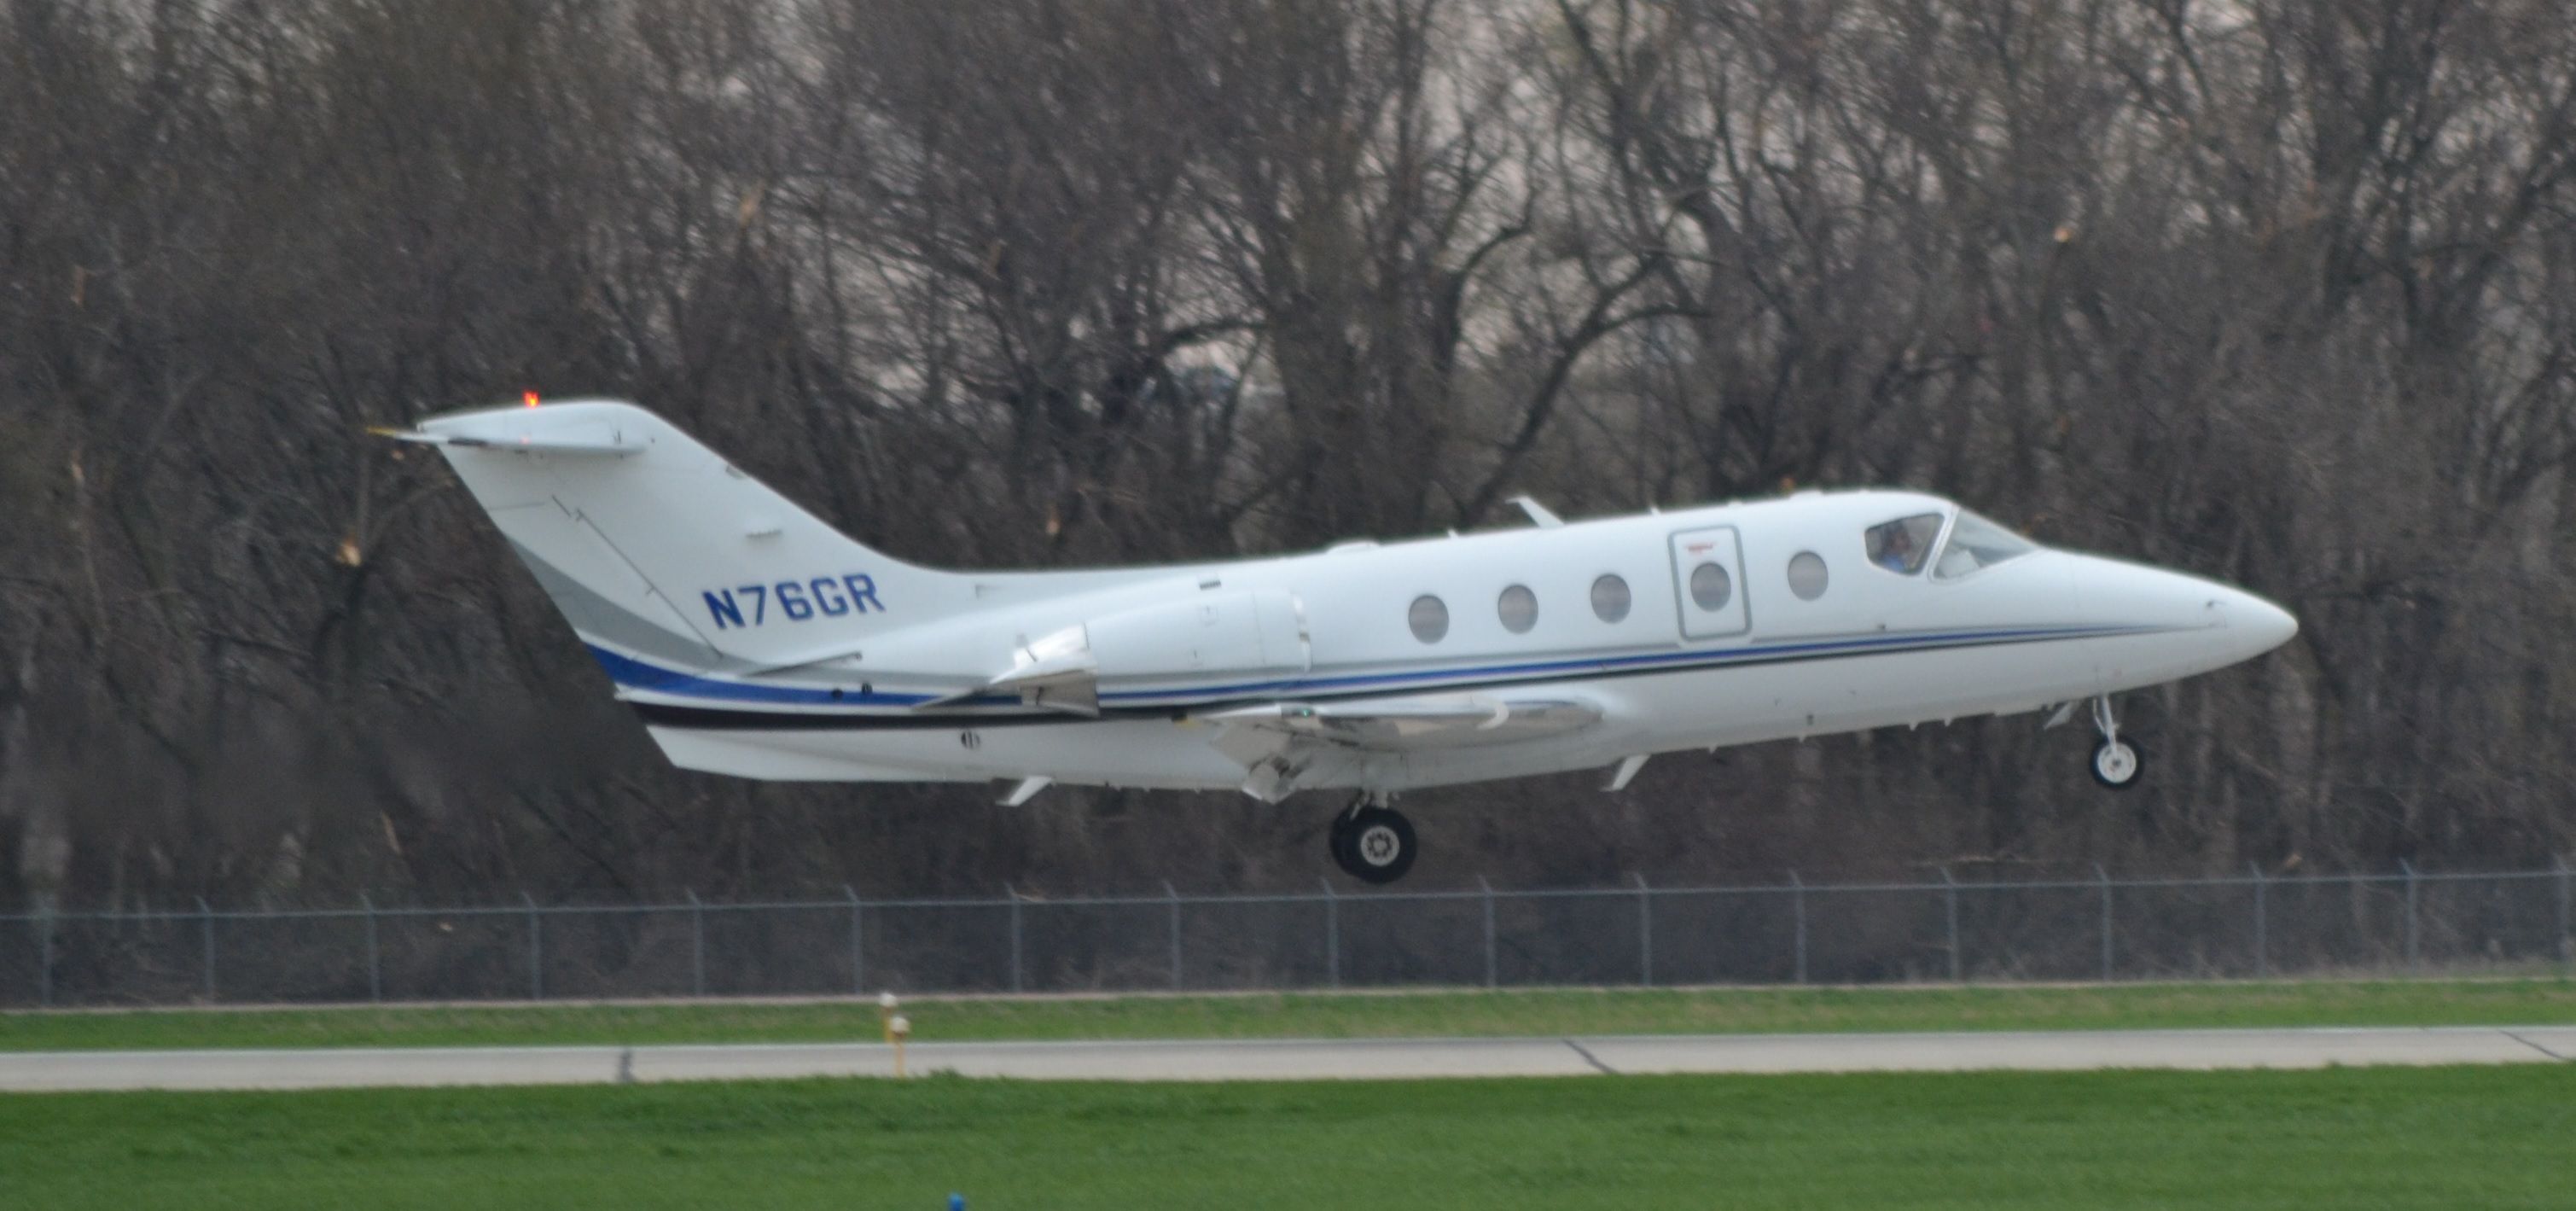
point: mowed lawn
(2446, 1138)
(1557, 1012)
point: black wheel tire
(2134, 762)
(1375, 845)
(1338, 843)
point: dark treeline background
(2278, 291)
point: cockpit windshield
(1978, 543)
(1901, 546)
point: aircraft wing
(1277, 742)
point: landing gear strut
(1372, 842)
(2117, 762)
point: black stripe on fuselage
(731, 720)
(741, 719)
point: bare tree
(2280, 291)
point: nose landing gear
(1372, 842)
(2116, 763)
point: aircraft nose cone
(2264, 625)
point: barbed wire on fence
(2252, 925)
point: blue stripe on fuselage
(631, 673)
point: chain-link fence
(1794, 933)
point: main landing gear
(2116, 763)
(1372, 842)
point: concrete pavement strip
(1294, 1059)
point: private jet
(755, 640)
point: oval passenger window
(1428, 618)
(1610, 598)
(1807, 575)
(1710, 586)
(1518, 608)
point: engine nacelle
(1246, 633)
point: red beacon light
(531, 398)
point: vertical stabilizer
(659, 551)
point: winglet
(1026, 789)
(1627, 771)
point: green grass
(2489, 1138)
(1552, 1012)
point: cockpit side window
(1901, 546)
(1978, 543)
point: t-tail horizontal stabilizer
(509, 429)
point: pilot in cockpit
(1896, 549)
(1901, 546)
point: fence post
(2104, 877)
(206, 923)
(2262, 943)
(1489, 929)
(697, 944)
(1014, 894)
(375, 955)
(2566, 946)
(858, 955)
(44, 946)
(536, 950)
(1173, 898)
(1798, 922)
(1950, 905)
(1332, 934)
(1645, 933)
(2414, 951)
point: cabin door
(1708, 578)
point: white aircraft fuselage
(756, 641)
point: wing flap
(1281, 744)
(1414, 723)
